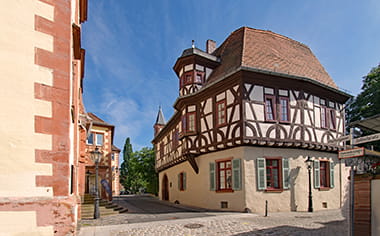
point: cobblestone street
(185, 222)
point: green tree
(146, 167)
(125, 167)
(138, 169)
(367, 103)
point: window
(323, 117)
(113, 156)
(221, 113)
(198, 77)
(269, 108)
(188, 122)
(175, 138)
(90, 139)
(328, 115)
(161, 150)
(188, 79)
(182, 181)
(332, 119)
(99, 139)
(272, 173)
(225, 175)
(323, 174)
(284, 109)
(276, 105)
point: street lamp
(96, 155)
(309, 162)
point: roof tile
(266, 50)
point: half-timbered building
(248, 114)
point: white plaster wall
(296, 198)
(248, 111)
(18, 139)
(259, 111)
(198, 191)
(10, 224)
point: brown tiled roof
(114, 148)
(96, 120)
(265, 50)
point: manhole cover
(193, 226)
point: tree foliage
(125, 167)
(137, 170)
(367, 103)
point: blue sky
(131, 47)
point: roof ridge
(243, 47)
(276, 35)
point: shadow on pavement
(336, 228)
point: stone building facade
(42, 67)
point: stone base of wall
(40, 216)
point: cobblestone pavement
(327, 222)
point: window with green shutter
(236, 169)
(261, 175)
(285, 173)
(332, 174)
(212, 176)
(182, 181)
(317, 175)
(273, 173)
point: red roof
(265, 50)
(97, 121)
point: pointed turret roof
(160, 117)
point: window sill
(225, 191)
(221, 125)
(324, 189)
(274, 190)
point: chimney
(210, 46)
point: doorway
(165, 188)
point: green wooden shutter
(179, 181)
(317, 174)
(332, 174)
(184, 180)
(285, 173)
(261, 175)
(236, 177)
(212, 176)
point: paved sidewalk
(328, 222)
